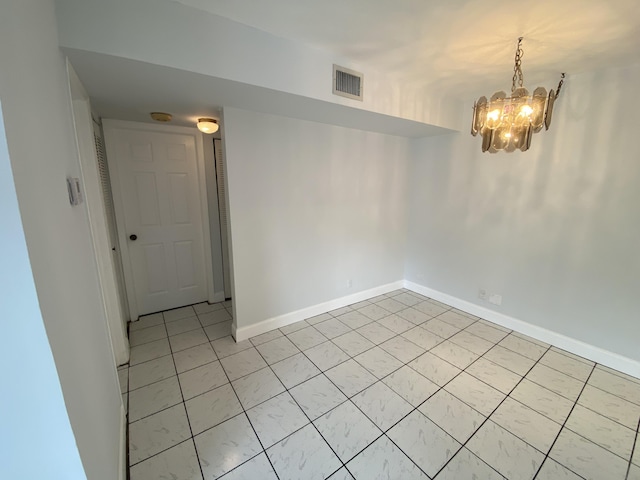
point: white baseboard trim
(123, 444)
(591, 352)
(269, 324)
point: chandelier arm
(560, 85)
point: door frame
(96, 213)
(109, 126)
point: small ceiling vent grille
(347, 83)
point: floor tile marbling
(185, 340)
(402, 349)
(422, 337)
(194, 357)
(452, 415)
(243, 363)
(410, 385)
(212, 408)
(376, 333)
(454, 354)
(277, 350)
(586, 458)
(347, 430)
(353, 343)
(224, 447)
(307, 338)
(152, 398)
(556, 381)
(434, 368)
(227, 346)
(326, 355)
(505, 452)
(317, 396)
(176, 463)
(382, 460)
(202, 379)
(465, 465)
(332, 328)
(475, 393)
(611, 406)
(351, 377)
(146, 335)
(426, 444)
(258, 467)
(567, 365)
(509, 359)
(414, 316)
(149, 351)
(493, 374)
(183, 325)
(542, 400)
(527, 424)
(257, 387)
(276, 419)
(360, 318)
(602, 431)
(471, 342)
(157, 432)
(303, 454)
(552, 470)
(378, 362)
(146, 373)
(621, 387)
(382, 405)
(294, 370)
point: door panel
(158, 182)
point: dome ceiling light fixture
(161, 116)
(208, 125)
(508, 123)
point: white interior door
(158, 199)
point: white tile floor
(396, 387)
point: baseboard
(591, 352)
(269, 324)
(123, 444)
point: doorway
(159, 192)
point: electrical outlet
(482, 294)
(495, 299)
(349, 283)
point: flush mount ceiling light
(208, 125)
(161, 116)
(508, 123)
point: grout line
(350, 357)
(633, 448)
(562, 428)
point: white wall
(38, 122)
(197, 41)
(32, 411)
(311, 206)
(554, 230)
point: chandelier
(508, 123)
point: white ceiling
(459, 46)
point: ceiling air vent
(347, 83)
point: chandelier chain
(517, 68)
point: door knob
(133, 237)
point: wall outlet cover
(495, 299)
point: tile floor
(395, 387)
